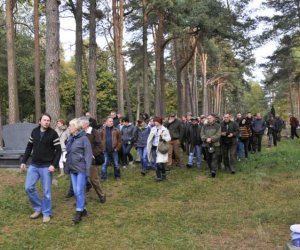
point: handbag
(163, 146)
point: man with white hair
(95, 140)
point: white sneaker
(124, 166)
(35, 215)
(46, 219)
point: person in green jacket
(210, 135)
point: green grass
(250, 210)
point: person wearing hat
(157, 133)
(175, 129)
(210, 135)
(194, 139)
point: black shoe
(84, 213)
(69, 195)
(158, 179)
(189, 165)
(164, 177)
(103, 199)
(232, 172)
(77, 217)
(213, 174)
(143, 172)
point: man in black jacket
(229, 133)
(45, 144)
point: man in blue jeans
(111, 144)
(45, 144)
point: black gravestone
(15, 138)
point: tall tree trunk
(78, 59)
(187, 98)
(13, 103)
(145, 59)
(138, 100)
(298, 98)
(291, 96)
(37, 75)
(1, 136)
(158, 65)
(118, 16)
(180, 102)
(194, 83)
(92, 60)
(203, 63)
(127, 96)
(52, 59)
(163, 83)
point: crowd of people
(161, 144)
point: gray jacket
(141, 136)
(128, 133)
(79, 154)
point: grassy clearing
(250, 210)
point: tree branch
(26, 25)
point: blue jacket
(141, 136)
(79, 154)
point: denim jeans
(32, 177)
(239, 148)
(142, 151)
(245, 143)
(197, 151)
(107, 157)
(126, 148)
(78, 183)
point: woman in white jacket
(157, 132)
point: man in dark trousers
(176, 130)
(210, 135)
(258, 129)
(229, 133)
(45, 144)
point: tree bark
(145, 59)
(203, 63)
(127, 96)
(78, 59)
(118, 16)
(37, 75)
(52, 60)
(13, 103)
(158, 44)
(291, 96)
(180, 102)
(1, 136)
(194, 83)
(92, 60)
(138, 100)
